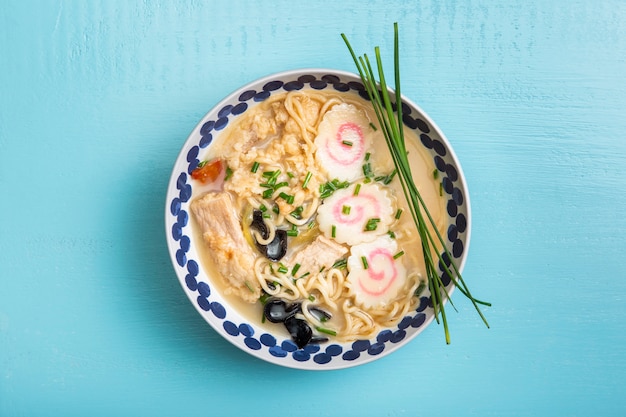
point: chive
(249, 286)
(371, 225)
(268, 193)
(295, 269)
(347, 142)
(399, 254)
(311, 298)
(326, 331)
(322, 269)
(267, 216)
(364, 260)
(345, 210)
(367, 156)
(333, 231)
(323, 319)
(287, 197)
(391, 123)
(297, 213)
(264, 297)
(391, 234)
(203, 163)
(281, 184)
(311, 225)
(255, 167)
(357, 188)
(373, 126)
(292, 233)
(420, 289)
(275, 209)
(306, 274)
(398, 213)
(340, 263)
(367, 170)
(283, 269)
(305, 183)
(229, 173)
(263, 208)
(290, 175)
(440, 188)
(435, 173)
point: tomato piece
(208, 172)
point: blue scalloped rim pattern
(320, 354)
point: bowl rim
(189, 140)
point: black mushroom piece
(277, 248)
(278, 311)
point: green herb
(371, 225)
(364, 260)
(367, 170)
(367, 156)
(399, 254)
(327, 189)
(255, 167)
(290, 174)
(326, 331)
(287, 197)
(305, 183)
(292, 232)
(357, 189)
(311, 298)
(268, 193)
(264, 297)
(435, 173)
(340, 263)
(373, 126)
(294, 270)
(333, 231)
(345, 210)
(347, 142)
(311, 225)
(398, 213)
(263, 208)
(392, 127)
(391, 234)
(281, 184)
(440, 188)
(249, 286)
(283, 269)
(229, 173)
(386, 179)
(297, 212)
(203, 163)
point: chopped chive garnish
(306, 274)
(229, 173)
(347, 142)
(290, 175)
(267, 216)
(311, 225)
(367, 156)
(294, 270)
(311, 298)
(373, 126)
(398, 213)
(357, 188)
(326, 331)
(283, 269)
(372, 224)
(391, 234)
(268, 193)
(390, 120)
(264, 297)
(364, 260)
(297, 213)
(203, 163)
(399, 254)
(333, 231)
(367, 170)
(305, 183)
(287, 197)
(441, 188)
(345, 210)
(435, 173)
(263, 208)
(292, 232)
(276, 209)
(281, 184)
(322, 269)
(340, 263)
(324, 319)
(249, 285)
(255, 167)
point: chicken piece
(227, 246)
(321, 253)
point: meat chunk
(321, 253)
(227, 246)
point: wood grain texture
(96, 99)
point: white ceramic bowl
(198, 285)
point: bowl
(199, 284)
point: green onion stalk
(390, 121)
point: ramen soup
(302, 217)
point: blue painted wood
(96, 99)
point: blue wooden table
(96, 99)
